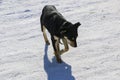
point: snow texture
(24, 55)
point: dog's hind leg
(65, 45)
(45, 36)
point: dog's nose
(75, 46)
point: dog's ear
(77, 24)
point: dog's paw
(59, 60)
(47, 42)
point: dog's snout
(73, 44)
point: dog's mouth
(73, 44)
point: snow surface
(24, 55)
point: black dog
(59, 28)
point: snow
(24, 55)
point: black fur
(52, 20)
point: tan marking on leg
(57, 53)
(56, 38)
(65, 45)
(45, 36)
(57, 46)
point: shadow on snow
(56, 71)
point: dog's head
(70, 32)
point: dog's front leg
(45, 36)
(55, 43)
(65, 45)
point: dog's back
(51, 19)
(48, 8)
